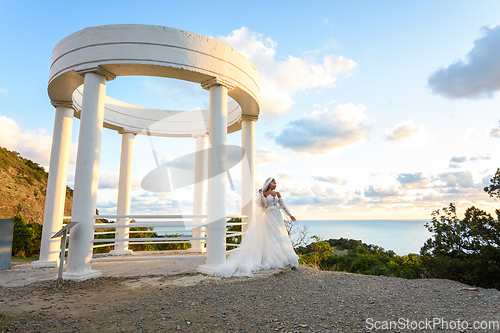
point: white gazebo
(82, 63)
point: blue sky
(396, 102)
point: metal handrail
(144, 225)
(148, 258)
(178, 222)
(101, 240)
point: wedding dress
(266, 244)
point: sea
(401, 236)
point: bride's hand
(260, 190)
(293, 218)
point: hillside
(23, 184)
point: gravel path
(302, 300)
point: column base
(81, 276)
(192, 250)
(41, 264)
(120, 252)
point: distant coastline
(401, 236)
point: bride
(266, 244)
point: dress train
(266, 244)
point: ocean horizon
(401, 236)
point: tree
(320, 252)
(466, 250)
(297, 235)
(494, 189)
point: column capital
(126, 130)
(64, 104)
(98, 70)
(247, 117)
(218, 81)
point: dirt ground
(302, 300)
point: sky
(369, 109)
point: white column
(124, 192)
(217, 159)
(200, 186)
(86, 177)
(56, 185)
(248, 168)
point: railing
(186, 221)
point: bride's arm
(284, 208)
(261, 201)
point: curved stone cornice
(132, 49)
(197, 135)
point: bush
(354, 256)
(234, 228)
(155, 247)
(27, 238)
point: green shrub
(29, 180)
(155, 247)
(27, 238)
(234, 228)
(354, 256)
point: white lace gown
(266, 244)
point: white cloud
(404, 131)
(281, 79)
(416, 180)
(419, 192)
(34, 145)
(148, 203)
(266, 155)
(3, 91)
(327, 23)
(457, 179)
(331, 179)
(323, 131)
(446, 180)
(456, 161)
(110, 179)
(382, 191)
(494, 132)
(477, 76)
(486, 181)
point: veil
(260, 196)
(268, 182)
(247, 257)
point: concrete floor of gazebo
(21, 274)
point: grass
(21, 259)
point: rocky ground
(302, 300)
